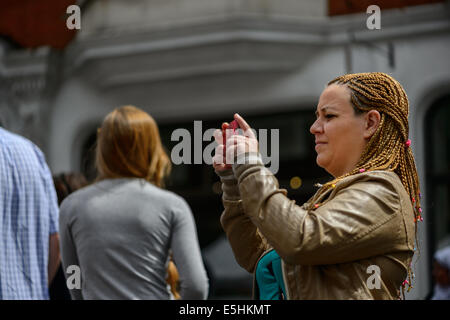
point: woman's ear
(373, 119)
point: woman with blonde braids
(354, 239)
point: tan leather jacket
(366, 220)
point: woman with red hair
(120, 230)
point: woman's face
(340, 134)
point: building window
(437, 137)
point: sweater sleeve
(186, 254)
(69, 258)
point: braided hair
(388, 148)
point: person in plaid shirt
(29, 241)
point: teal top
(269, 277)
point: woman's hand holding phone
(233, 144)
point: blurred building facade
(206, 59)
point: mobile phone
(233, 125)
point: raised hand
(231, 145)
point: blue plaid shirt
(29, 214)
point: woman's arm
(244, 238)
(187, 255)
(362, 218)
(54, 257)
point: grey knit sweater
(119, 232)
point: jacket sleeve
(360, 220)
(243, 236)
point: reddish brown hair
(129, 145)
